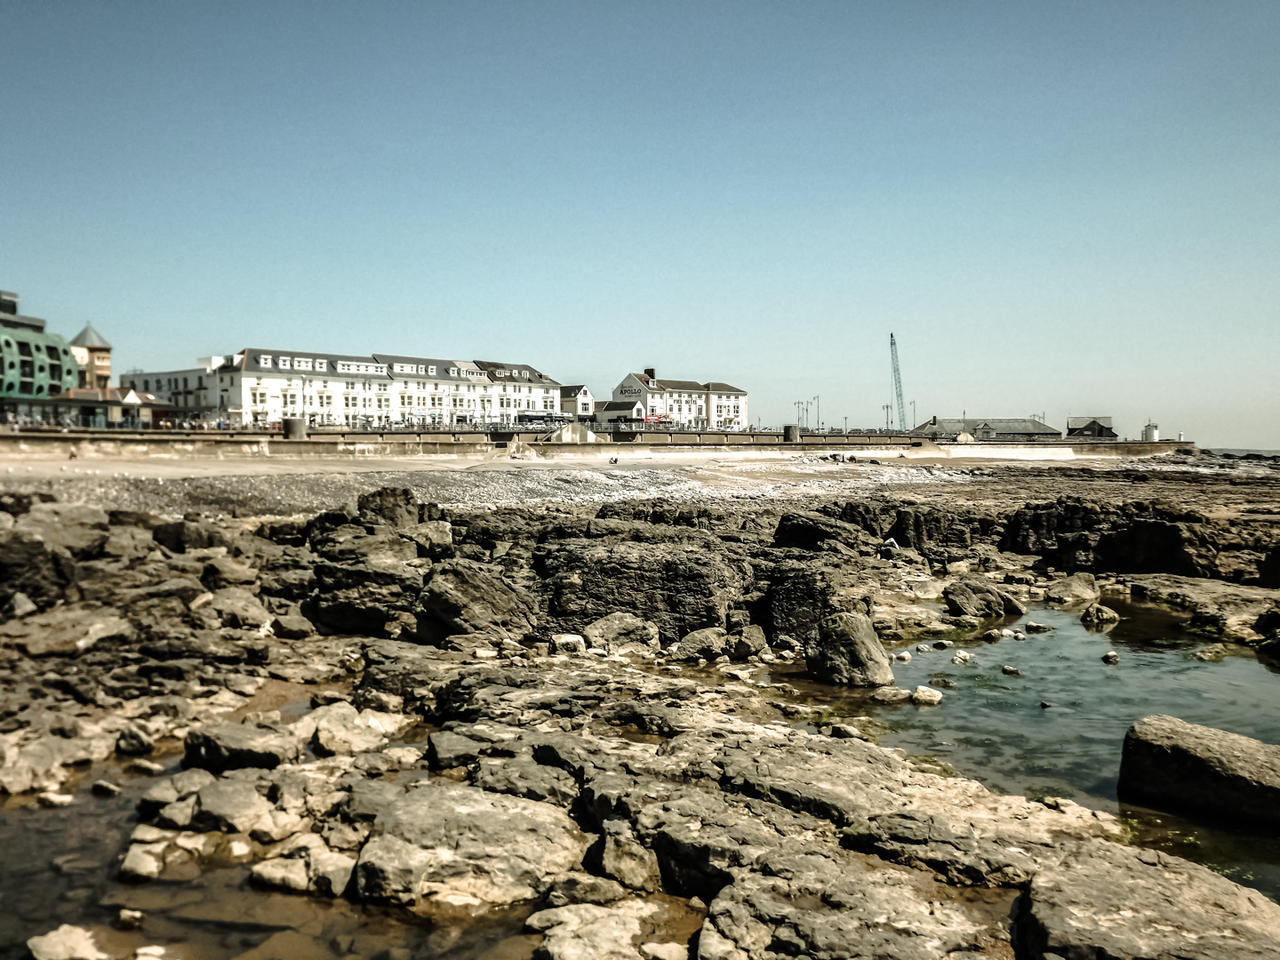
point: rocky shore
(566, 714)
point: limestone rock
(1096, 615)
(979, 597)
(1122, 903)
(618, 631)
(1184, 767)
(67, 942)
(1077, 588)
(849, 652)
(454, 844)
(582, 930)
(705, 644)
(463, 596)
(230, 746)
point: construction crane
(897, 384)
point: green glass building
(33, 364)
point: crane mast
(897, 384)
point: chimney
(651, 373)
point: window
(302, 363)
(322, 366)
(284, 363)
(453, 371)
(431, 371)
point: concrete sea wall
(223, 445)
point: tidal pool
(1057, 728)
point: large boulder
(464, 596)
(1077, 588)
(800, 595)
(231, 746)
(29, 565)
(979, 597)
(396, 506)
(373, 598)
(680, 587)
(1173, 765)
(619, 631)
(848, 651)
(705, 644)
(447, 844)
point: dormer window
(322, 365)
(264, 360)
(453, 371)
(285, 363)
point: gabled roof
(1028, 426)
(89, 337)
(613, 406)
(689, 386)
(572, 390)
(501, 372)
(1085, 421)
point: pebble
(145, 766)
(962, 656)
(923, 648)
(105, 788)
(942, 644)
(51, 798)
(1010, 671)
(128, 919)
(1019, 635)
(1111, 657)
(902, 656)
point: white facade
(577, 401)
(613, 410)
(686, 403)
(265, 387)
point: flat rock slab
(448, 845)
(1110, 902)
(1170, 764)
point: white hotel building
(686, 403)
(264, 387)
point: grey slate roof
(614, 406)
(494, 367)
(571, 390)
(1008, 426)
(89, 337)
(691, 386)
(1074, 422)
(442, 367)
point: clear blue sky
(1062, 207)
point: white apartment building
(264, 387)
(685, 403)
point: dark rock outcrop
(1184, 767)
(848, 651)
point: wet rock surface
(1169, 764)
(375, 707)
